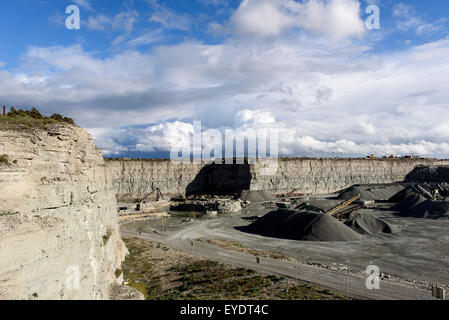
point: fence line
(347, 284)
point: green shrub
(4, 159)
(32, 118)
(57, 117)
(107, 236)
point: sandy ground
(419, 252)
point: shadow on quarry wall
(221, 179)
(428, 174)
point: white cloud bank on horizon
(324, 98)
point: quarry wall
(59, 236)
(135, 178)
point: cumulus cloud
(263, 17)
(336, 20)
(324, 100)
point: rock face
(320, 176)
(135, 178)
(59, 236)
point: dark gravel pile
(367, 223)
(410, 203)
(429, 174)
(300, 225)
(371, 192)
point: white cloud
(262, 17)
(123, 22)
(86, 4)
(168, 18)
(147, 38)
(408, 19)
(336, 20)
(99, 22)
(323, 99)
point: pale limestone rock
(135, 178)
(56, 205)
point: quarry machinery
(343, 215)
(343, 205)
(159, 195)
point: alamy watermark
(372, 22)
(373, 280)
(233, 147)
(72, 281)
(73, 21)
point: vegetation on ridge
(29, 119)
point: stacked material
(371, 192)
(429, 174)
(429, 210)
(407, 199)
(367, 223)
(301, 225)
(411, 203)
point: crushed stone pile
(367, 223)
(429, 210)
(254, 196)
(408, 193)
(411, 203)
(371, 192)
(302, 225)
(429, 174)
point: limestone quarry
(59, 215)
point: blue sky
(138, 73)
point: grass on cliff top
(31, 119)
(162, 273)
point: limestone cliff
(320, 176)
(59, 236)
(135, 178)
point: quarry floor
(160, 273)
(419, 252)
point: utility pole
(258, 261)
(4, 110)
